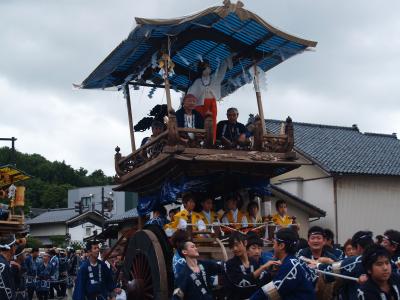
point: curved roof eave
(223, 11)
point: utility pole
(13, 156)
(102, 208)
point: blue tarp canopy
(212, 34)
(215, 183)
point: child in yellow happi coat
(234, 217)
(281, 218)
(253, 217)
(187, 215)
(208, 216)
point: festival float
(239, 48)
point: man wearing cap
(391, 241)
(7, 250)
(292, 280)
(95, 279)
(18, 271)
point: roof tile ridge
(317, 125)
(393, 135)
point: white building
(60, 222)
(353, 176)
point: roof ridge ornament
(231, 6)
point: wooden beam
(258, 96)
(129, 108)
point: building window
(86, 201)
(88, 231)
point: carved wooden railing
(278, 143)
(176, 139)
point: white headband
(8, 246)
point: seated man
(381, 283)
(233, 216)
(281, 217)
(187, 116)
(230, 132)
(156, 128)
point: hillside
(51, 180)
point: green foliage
(58, 241)
(51, 180)
(32, 242)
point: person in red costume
(207, 89)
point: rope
(307, 260)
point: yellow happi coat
(251, 220)
(284, 221)
(184, 215)
(241, 220)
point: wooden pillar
(166, 59)
(128, 105)
(259, 100)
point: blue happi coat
(350, 266)
(292, 281)
(196, 286)
(32, 266)
(160, 221)
(7, 289)
(45, 275)
(93, 281)
(178, 263)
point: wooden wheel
(144, 267)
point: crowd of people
(27, 274)
(295, 268)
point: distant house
(353, 176)
(56, 222)
(62, 222)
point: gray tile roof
(346, 150)
(129, 214)
(59, 215)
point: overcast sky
(45, 46)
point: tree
(51, 180)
